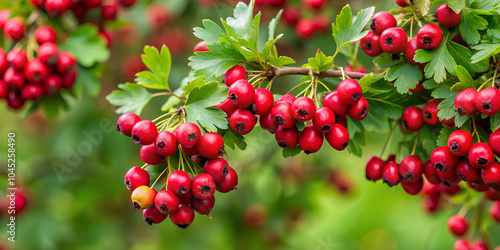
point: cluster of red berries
(184, 194)
(470, 101)
(23, 79)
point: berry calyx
(179, 182)
(460, 142)
(323, 119)
(144, 132)
(241, 93)
(203, 186)
(412, 119)
(488, 101)
(126, 122)
(393, 40)
(183, 217)
(188, 134)
(303, 109)
(211, 145)
(349, 91)
(166, 201)
(166, 143)
(382, 21)
(136, 177)
(242, 121)
(370, 44)
(429, 36)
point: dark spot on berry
(461, 111)
(427, 115)
(246, 75)
(163, 208)
(486, 105)
(222, 151)
(149, 221)
(252, 108)
(234, 187)
(307, 152)
(183, 226)
(37, 76)
(202, 160)
(368, 45)
(233, 98)
(395, 57)
(344, 145)
(279, 119)
(283, 144)
(52, 60)
(136, 205)
(368, 177)
(427, 40)
(446, 184)
(338, 118)
(192, 136)
(302, 113)
(482, 161)
(136, 138)
(454, 147)
(225, 170)
(373, 25)
(127, 184)
(389, 41)
(492, 184)
(182, 190)
(160, 144)
(388, 183)
(405, 124)
(408, 176)
(205, 189)
(240, 127)
(118, 128)
(326, 128)
(364, 113)
(356, 96)
(439, 167)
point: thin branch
(328, 73)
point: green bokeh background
(86, 206)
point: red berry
(268, 123)
(429, 36)
(419, 88)
(458, 225)
(287, 137)
(409, 52)
(411, 168)
(466, 172)
(494, 141)
(371, 44)
(303, 109)
(20, 203)
(449, 122)
(429, 112)
(17, 59)
(32, 91)
(203, 206)
(45, 34)
(203, 186)
(143, 197)
(136, 177)
(48, 53)
(465, 102)
(460, 142)
(461, 244)
(188, 134)
(431, 173)
(488, 101)
(109, 10)
(447, 17)
(153, 215)
(414, 187)
(412, 119)
(492, 194)
(211, 145)
(359, 69)
(148, 155)
(183, 217)
(491, 174)
(3, 62)
(495, 211)
(443, 159)
(332, 101)
(234, 74)
(126, 122)
(310, 140)
(349, 91)
(264, 101)
(201, 46)
(458, 39)
(479, 245)
(229, 182)
(481, 155)
(282, 112)
(190, 151)
(217, 168)
(179, 182)
(166, 202)
(56, 8)
(65, 62)
(14, 100)
(35, 71)
(144, 132)
(4, 90)
(69, 79)
(359, 110)
(305, 28)
(393, 40)
(315, 3)
(185, 198)
(374, 168)
(92, 3)
(227, 106)
(13, 78)
(390, 174)
(166, 143)
(402, 3)
(382, 21)
(291, 16)
(127, 3)
(14, 29)
(478, 185)
(242, 121)
(449, 178)
(323, 119)
(4, 16)
(338, 137)
(286, 98)
(241, 93)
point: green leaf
(484, 50)
(345, 31)
(355, 148)
(456, 5)
(444, 133)
(241, 23)
(405, 75)
(321, 62)
(290, 152)
(51, 105)
(420, 8)
(170, 103)
(495, 122)
(132, 98)
(216, 61)
(85, 44)
(460, 120)
(207, 95)
(273, 24)
(210, 34)
(463, 56)
(281, 61)
(447, 107)
(199, 107)
(386, 60)
(465, 79)
(159, 64)
(232, 139)
(88, 78)
(470, 25)
(440, 61)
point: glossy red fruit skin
(153, 216)
(458, 225)
(268, 123)
(412, 119)
(466, 172)
(492, 194)
(65, 62)
(211, 145)
(370, 44)
(45, 34)
(382, 21)
(393, 40)
(136, 177)
(338, 137)
(13, 78)
(409, 51)
(217, 168)
(183, 217)
(242, 121)
(303, 109)
(402, 3)
(263, 102)
(234, 74)
(166, 143)
(286, 98)
(4, 16)
(304, 28)
(430, 173)
(148, 155)
(144, 132)
(287, 137)
(179, 182)
(315, 3)
(190, 151)
(349, 91)
(310, 140)
(494, 211)
(429, 36)
(4, 90)
(17, 59)
(449, 178)
(323, 119)
(429, 112)
(186, 198)
(491, 174)
(32, 91)
(478, 245)
(291, 16)
(35, 71)
(373, 170)
(461, 244)
(166, 201)
(443, 159)
(450, 123)
(411, 168)
(109, 10)
(48, 53)
(69, 79)
(14, 100)
(390, 174)
(419, 88)
(332, 101)
(188, 134)
(52, 84)
(203, 206)
(359, 110)
(282, 113)
(446, 17)
(481, 155)
(227, 106)
(241, 93)
(56, 8)
(3, 62)
(126, 122)
(414, 187)
(488, 101)
(14, 29)
(127, 3)
(494, 141)
(203, 186)
(460, 142)
(465, 102)
(229, 182)
(202, 46)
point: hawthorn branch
(277, 72)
